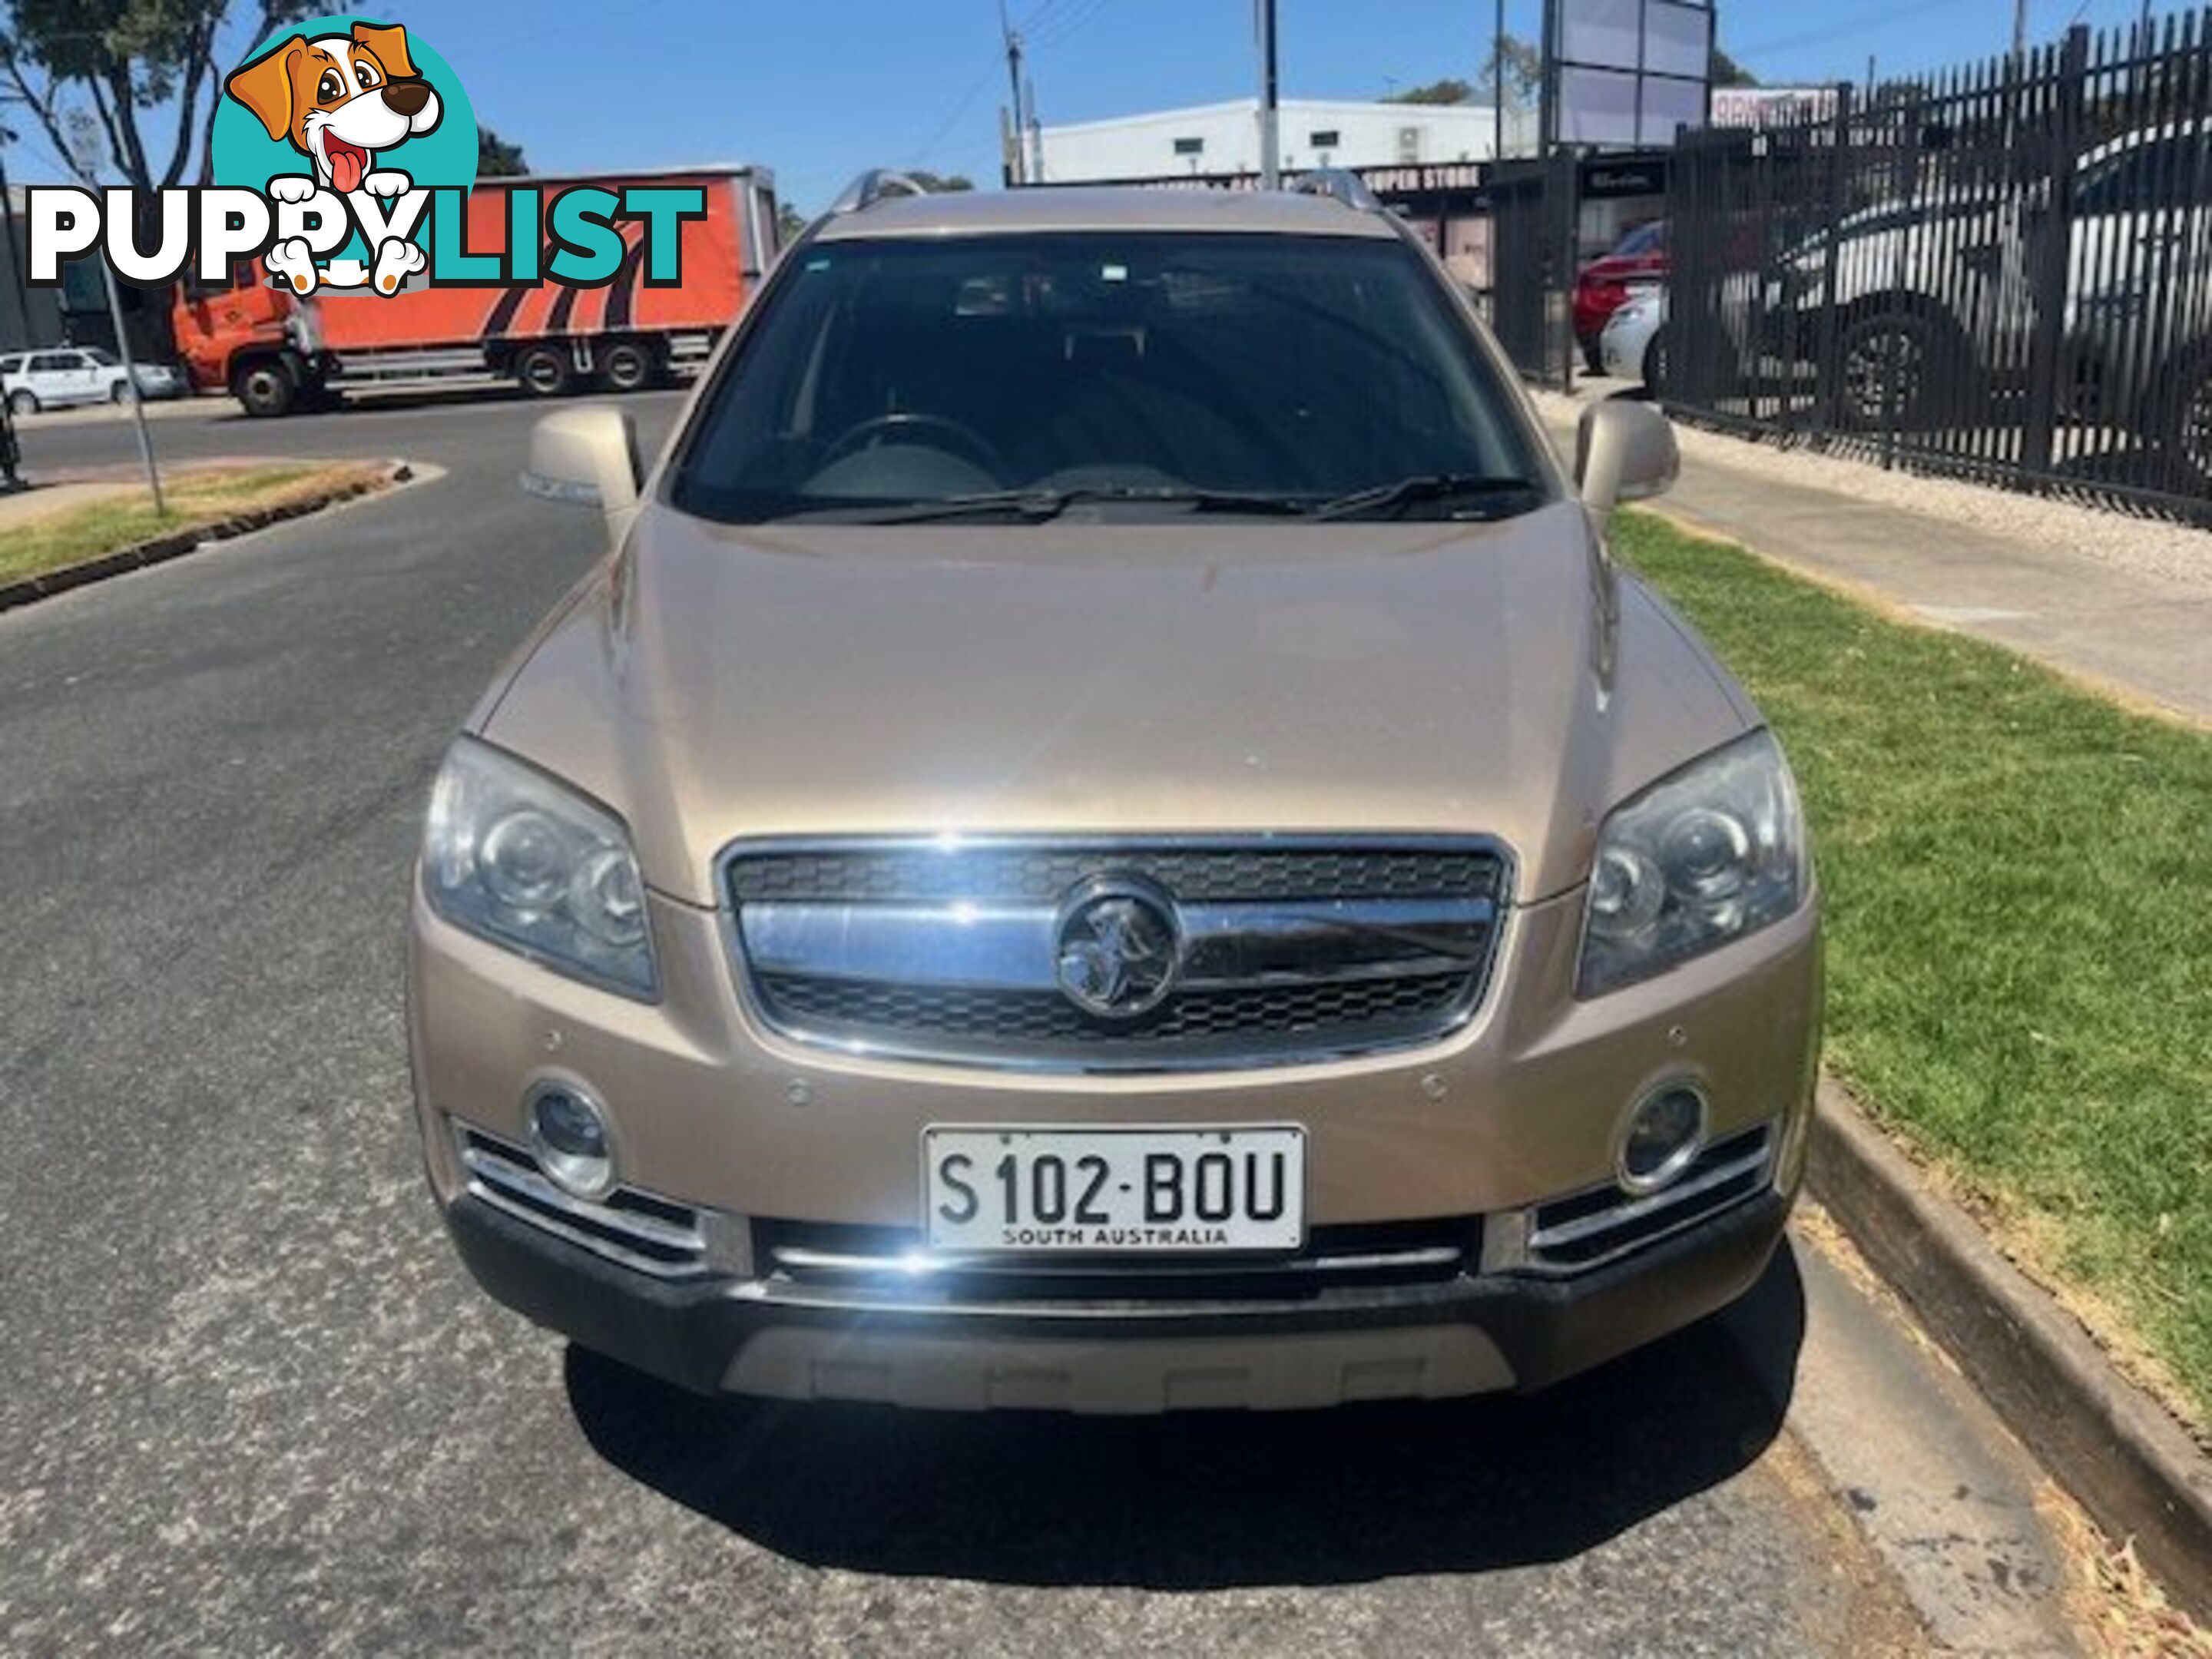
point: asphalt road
(250, 1403)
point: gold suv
(1108, 837)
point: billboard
(1625, 74)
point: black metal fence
(2004, 273)
(1533, 205)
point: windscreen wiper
(1038, 506)
(1422, 487)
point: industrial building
(1217, 139)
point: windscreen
(1286, 370)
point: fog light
(569, 1133)
(1661, 1138)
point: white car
(33, 380)
(1634, 346)
(1929, 288)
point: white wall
(1227, 137)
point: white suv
(1931, 287)
(79, 374)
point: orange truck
(278, 351)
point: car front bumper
(1476, 1333)
(1501, 1135)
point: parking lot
(252, 1401)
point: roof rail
(1340, 185)
(871, 187)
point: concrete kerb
(2120, 1455)
(159, 548)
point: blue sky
(818, 90)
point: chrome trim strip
(1259, 841)
(1512, 1243)
(921, 1265)
(1627, 1215)
(507, 1185)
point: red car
(1601, 290)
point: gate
(2004, 273)
(1533, 209)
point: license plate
(1115, 1191)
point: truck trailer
(278, 350)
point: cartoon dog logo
(340, 100)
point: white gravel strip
(2144, 547)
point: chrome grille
(1285, 951)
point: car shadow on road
(1214, 1501)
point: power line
(952, 120)
(1069, 25)
(1035, 19)
(1836, 31)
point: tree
(1451, 91)
(790, 224)
(938, 183)
(496, 158)
(126, 59)
(1727, 72)
(1514, 73)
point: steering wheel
(971, 443)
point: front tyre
(23, 401)
(1657, 367)
(2187, 438)
(1894, 366)
(266, 388)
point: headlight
(1708, 855)
(530, 863)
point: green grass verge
(2019, 881)
(193, 499)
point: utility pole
(2019, 28)
(1271, 149)
(1498, 86)
(21, 306)
(89, 153)
(1021, 170)
(1547, 92)
(11, 480)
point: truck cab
(251, 337)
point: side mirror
(1623, 453)
(587, 458)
